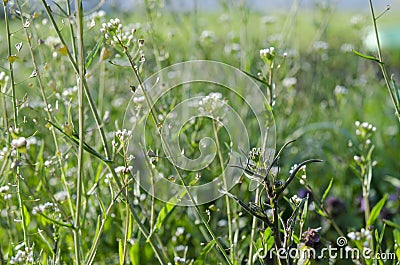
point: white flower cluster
(207, 37)
(295, 200)
(111, 26)
(268, 53)
(212, 103)
(23, 256)
(123, 135)
(3, 77)
(4, 191)
(364, 126)
(114, 33)
(123, 169)
(48, 206)
(302, 171)
(364, 236)
(339, 90)
(18, 142)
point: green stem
(49, 117)
(71, 29)
(159, 252)
(253, 227)
(227, 202)
(152, 34)
(85, 85)
(381, 64)
(15, 108)
(168, 153)
(81, 77)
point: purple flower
(335, 206)
(302, 193)
(312, 237)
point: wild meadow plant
(71, 192)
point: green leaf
(304, 212)
(203, 254)
(268, 238)
(392, 224)
(121, 252)
(396, 89)
(319, 211)
(396, 236)
(327, 190)
(27, 216)
(134, 253)
(93, 53)
(376, 210)
(164, 213)
(256, 78)
(368, 57)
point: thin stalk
(49, 117)
(330, 219)
(71, 29)
(275, 229)
(81, 78)
(159, 252)
(100, 98)
(89, 97)
(168, 153)
(156, 52)
(381, 64)
(15, 108)
(127, 223)
(96, 241)
(253, 227)
(5, 114)
(227, 202)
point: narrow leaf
(319, 210)
(392, 224)
(326, 192)
(368, 57)
(256, 78)
(121, 252)
(93, 53)
(376, 210)
(134, 253)
(203, 254)
(164, 213)
(396, 89)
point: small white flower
(179, 231)
(352, 235)
(295, 200)
(4, 188)
(122, 169)
(19, 142)
(340, 90)
(320, 45)
(289, 81)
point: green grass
(116, 214)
